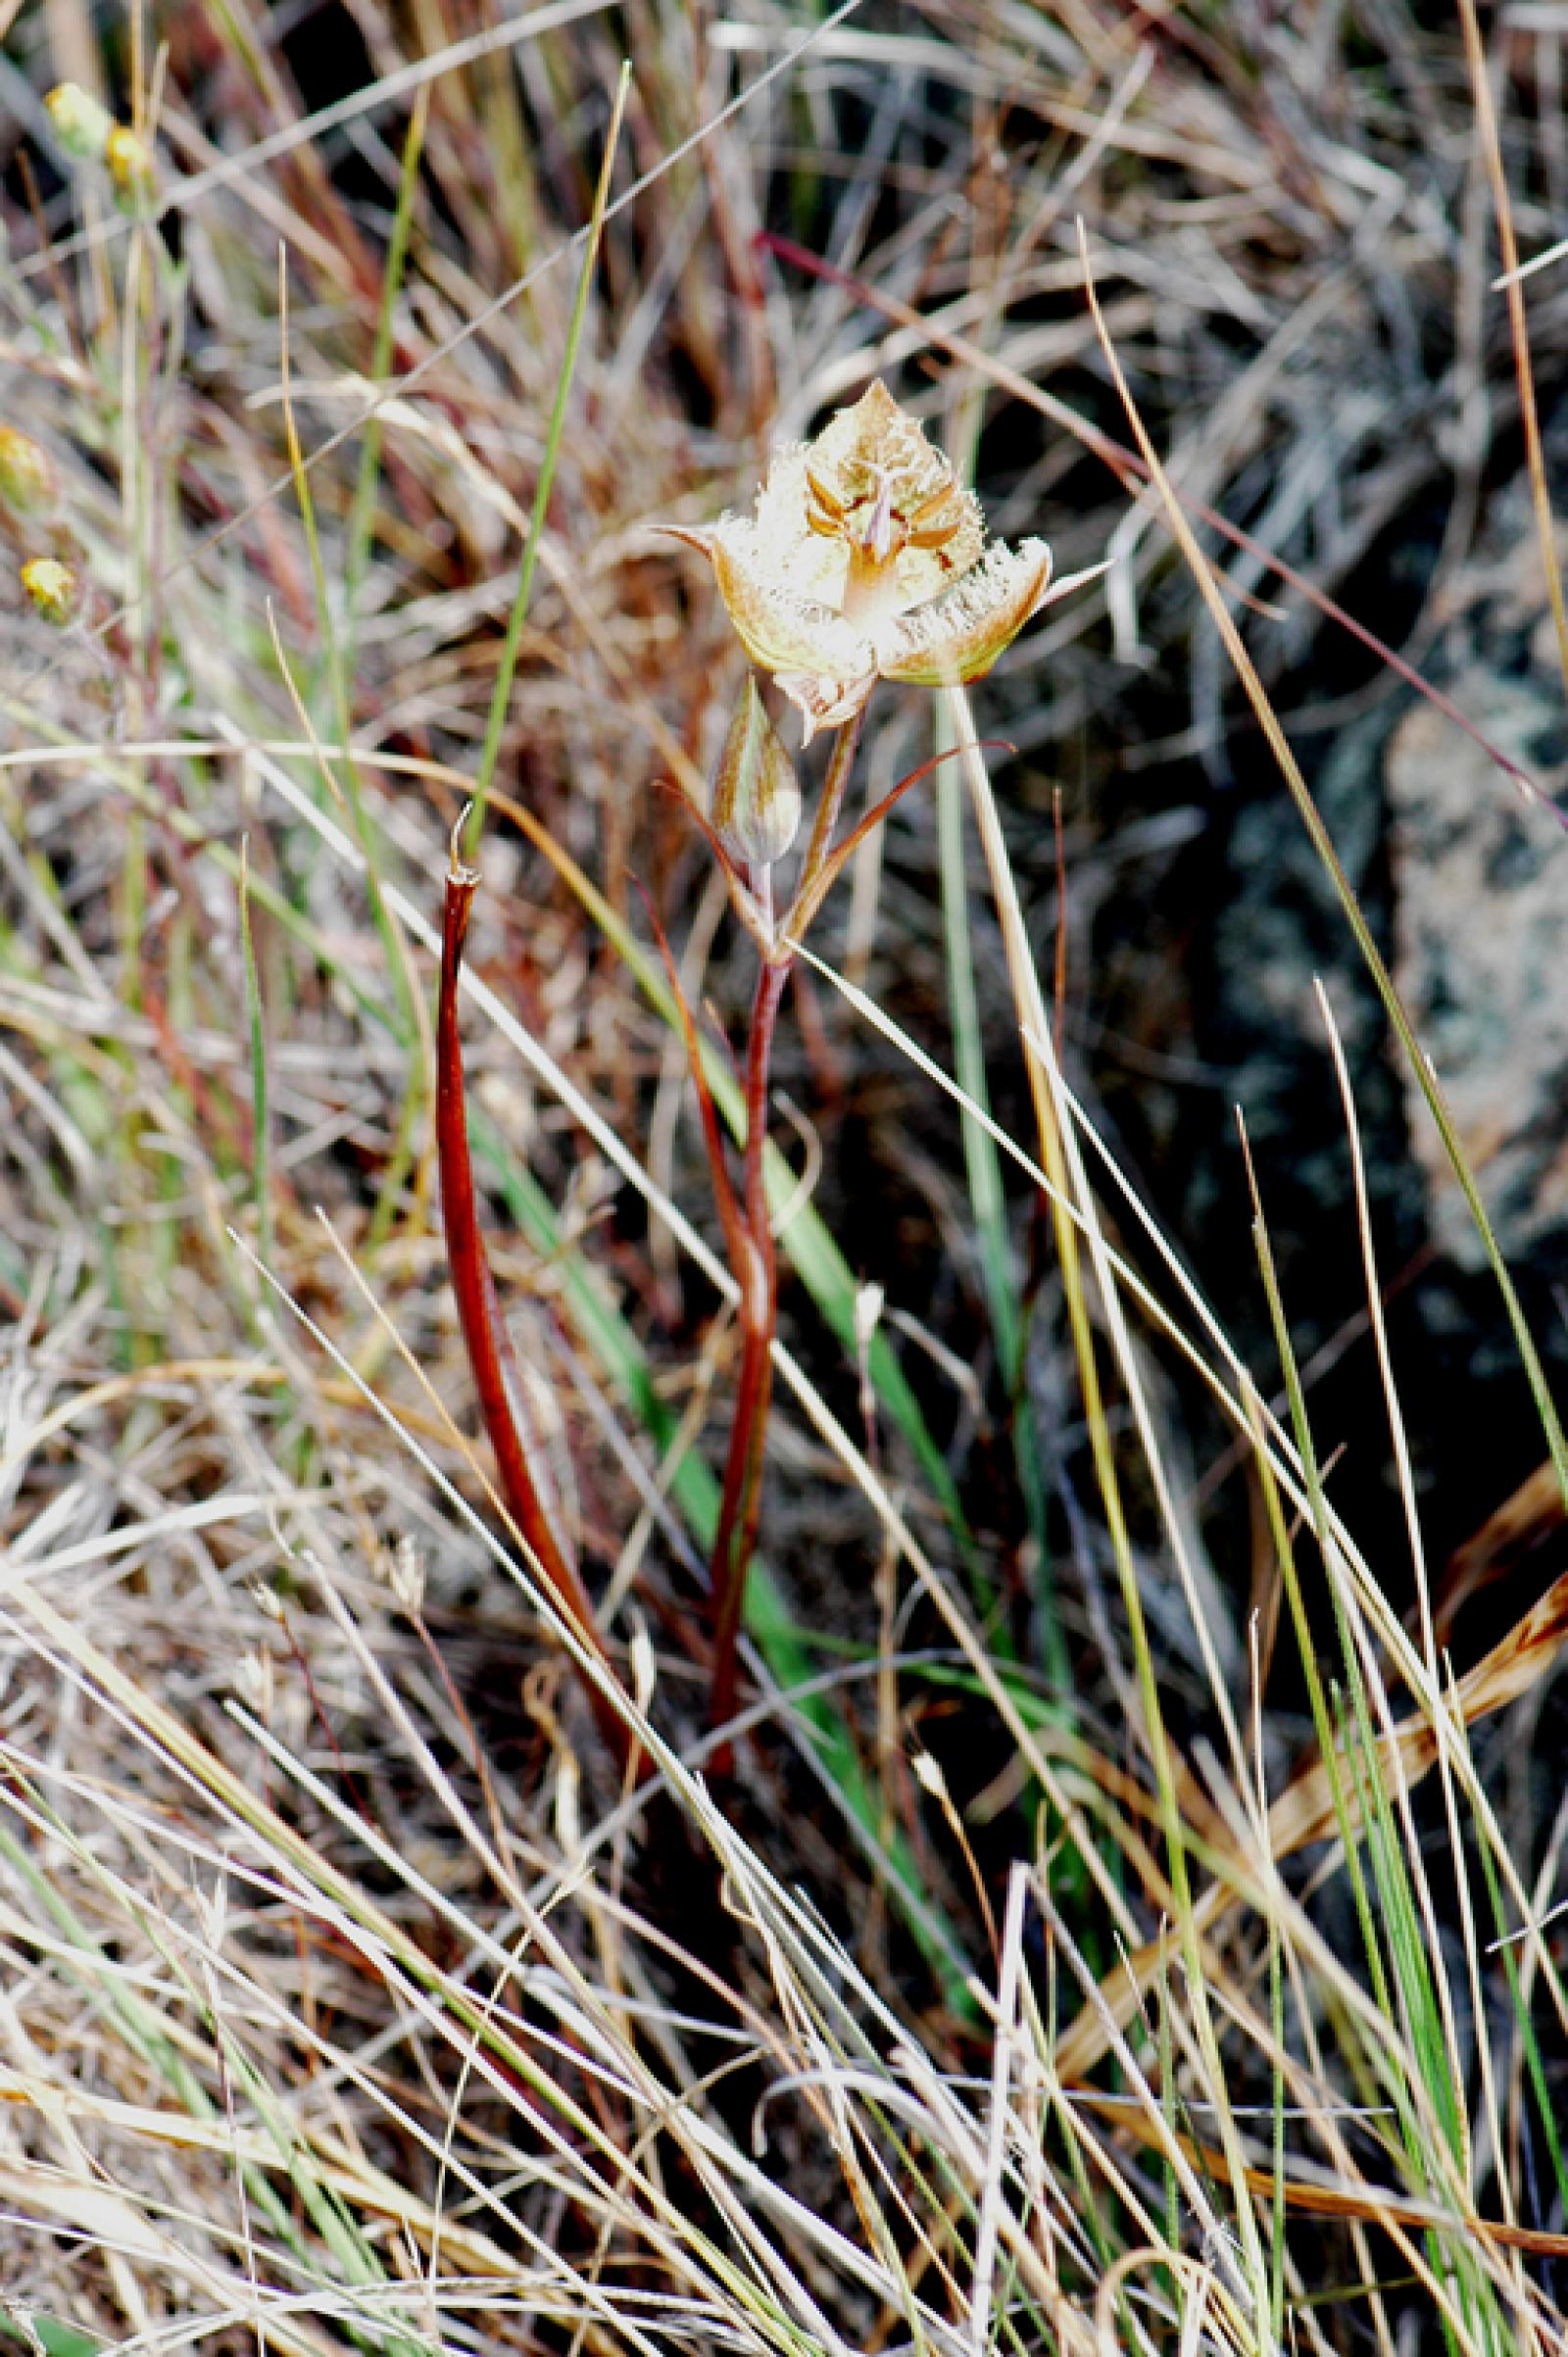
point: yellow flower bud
(81, 124)
(130, 168)
(757, 796)
(29, 485)
(52, 587)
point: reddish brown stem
(489, 1349)
(740, 1506)
(729, 1210)
(811, 896)
(757, 1269)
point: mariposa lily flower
(865, 558)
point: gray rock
(1479, 874)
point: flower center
(877, 513)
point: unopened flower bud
(29, 485)
(81, 123)
(757, 796)
(52, 587)
(130, 168)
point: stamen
(878, 534)
(924, 515)
(825, 499)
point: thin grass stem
(500, 698)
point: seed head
(131, 169)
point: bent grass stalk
(405, 1004)
(501, 698)
(483, 1332)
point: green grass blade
(495, 725)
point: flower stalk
(753, 1248)
(866, 558)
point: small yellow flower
(81, 123)
(131, 168)
(52, 587)
(29, 483)
(865, 558)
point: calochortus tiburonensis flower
(865, 558)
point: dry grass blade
(1308, 1809)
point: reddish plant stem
(757, 1267)
(485, 1339)
(757, 1271)
(811, 896)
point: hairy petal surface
(780, 629)
(959, 636)
(865, 557)
(824, 703)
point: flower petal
(824, 703)
(925, 572)
(913, 525)
(778, 539)
(780, 629)
(959, 636)
(1071, 581)
(877, 441)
